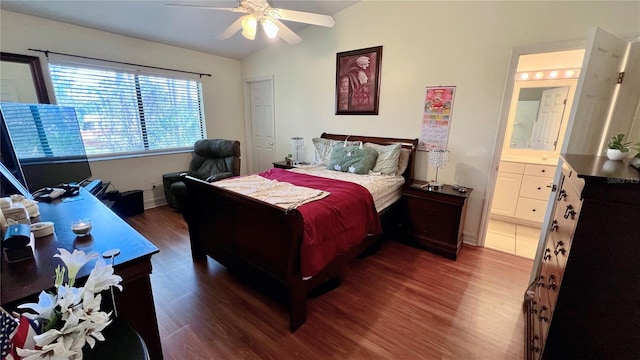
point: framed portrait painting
(358, 81)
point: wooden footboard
(248, 236)
(254, 238)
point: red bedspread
(334, 224)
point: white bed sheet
(385, 189)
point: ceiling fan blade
(232, 29)
(301, 17)
(235, 9)
(286, 34)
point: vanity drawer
(511, 167)
(535, 187)
(531, 209)
(539, 170)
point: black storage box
(128, 203)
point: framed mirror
(21, 79)
(538, 116)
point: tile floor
(512, 238)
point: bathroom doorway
(543, 90)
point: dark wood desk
(24, 280)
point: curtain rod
(47, 52)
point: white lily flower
(53, 351)
(90, 303)
(44, 307)
(94, 328)
(74, 261)
(47, 337)
(70, 332)
(102, 278)
(71, 317)
(68, 298)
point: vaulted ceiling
(185, 27)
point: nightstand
(434, 219)
(282, 165)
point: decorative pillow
(388, 156)
(352, 159)
(323, 149)
(403, 161)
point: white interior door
(603, 61)
(262, 124)
(547, 124)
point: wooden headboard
(410, 144)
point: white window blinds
(40, 131)
(121, 112)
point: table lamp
(297, 143)
(438, 158)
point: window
(123, 112)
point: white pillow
(403, 161)
(388, 156)
(323, 149)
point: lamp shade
(297, 143)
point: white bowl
(81, 227)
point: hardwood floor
(399, 303)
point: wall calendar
(438, 106)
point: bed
(259, 239)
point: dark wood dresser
(585, 300)
(434, 219)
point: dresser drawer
(539, 170)
(531, 209)
(432, 219)
(550, 278)
(535, 187)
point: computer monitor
(45, 144)
(10, 185)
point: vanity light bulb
(553, 74)
(569, 73)
(524, 76)
(539, 75)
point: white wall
(425, 43)
(222, 92)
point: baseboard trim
(154, 202)
(470, 238)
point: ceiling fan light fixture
(249, 26)
(270, 28)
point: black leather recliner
(213, 159)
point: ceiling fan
(260, 12)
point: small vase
(615, 154)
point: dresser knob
(551, 285)
(569, 212)
(542, 317)
(562, 194)
(539, 188)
